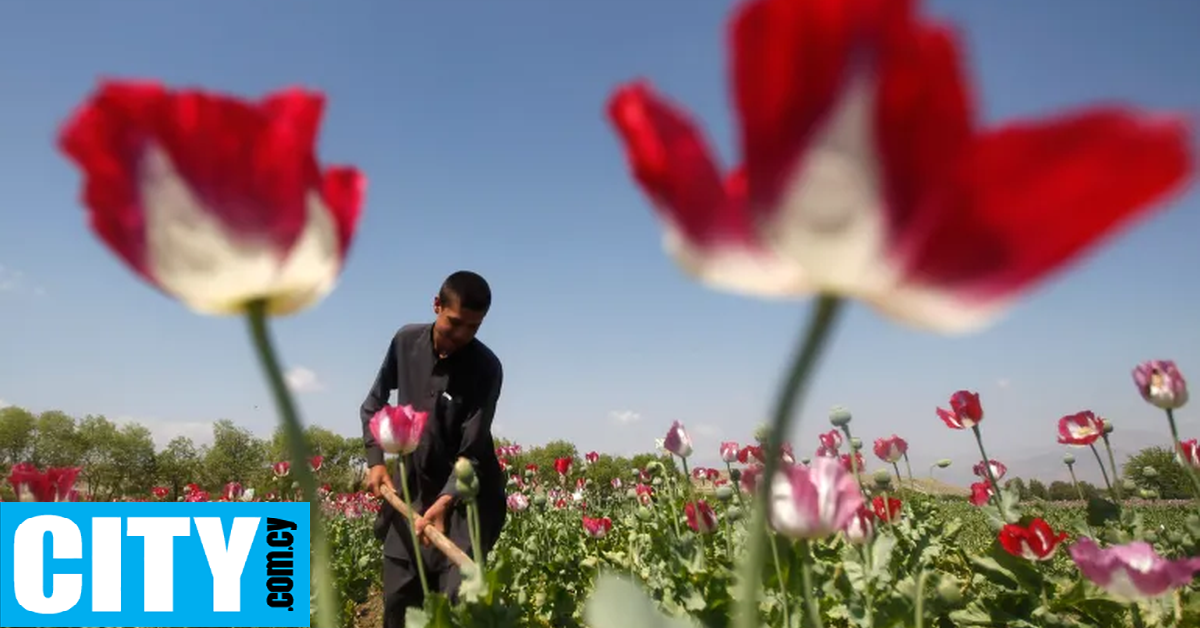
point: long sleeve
(477, 430)
(376, 399)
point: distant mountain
(1046, 463)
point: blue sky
(480, 126)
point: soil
(369, 614)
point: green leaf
(881, 554)
(973, 615)
(856, 576)
(619, 603)
(1100, 511)
(1010, 509)
(995, 572)
(694, 601)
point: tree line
(121, 460)
(1152, 473)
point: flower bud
(949, 591)
(1069, 459)
(644, 513)
(724, 493)
(463, 469)
(733, 514)
(1108, 426)
(1149, 472)
(539, 499)
(806, 461)
(654, 467)
(943, 463)
(1129, 485)
(1175, 537)
(839, 416)
(762, 432)
(735, 475)
(467, 489)
(856, 443)
(883, 479)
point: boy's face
(454, 327)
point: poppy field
(848, 547)
(863, 174)
(855, 539)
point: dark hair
(468, 290)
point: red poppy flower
(1036, 542)
(865, 171)
(1080, 429)
(888, 511)
(214, 200)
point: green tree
(134, 461)
(1060, 491)
(1018, 485)
(1037, 490)
(606, 467)
(18, 429)
(55, 443)
(341, 456)
(179, 464)
(95, 437)
(545, 455)
(235, 455)
(1168, 477)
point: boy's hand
(434, 516)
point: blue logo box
(155, 564)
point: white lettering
(65, 542)
(226, 564)
(159, 569)
(106, 564)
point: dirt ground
(370, 613)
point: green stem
(327, 595)
(787, 620)
(908, 467)
(1179, 451)
(814, 611)
(1075, 481)
(899, 480)
(919, 612)
(1136, 611)
(687, 478)
(1112, 460)
(868, 595)
(736, 486)
(1103, 470)
(821, 323)
(728, 538)
(476, 532)
(987, 466)
(854, 459)
(412, 528)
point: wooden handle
(435, 536)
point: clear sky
(480, 126)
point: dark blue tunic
(460, 393)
